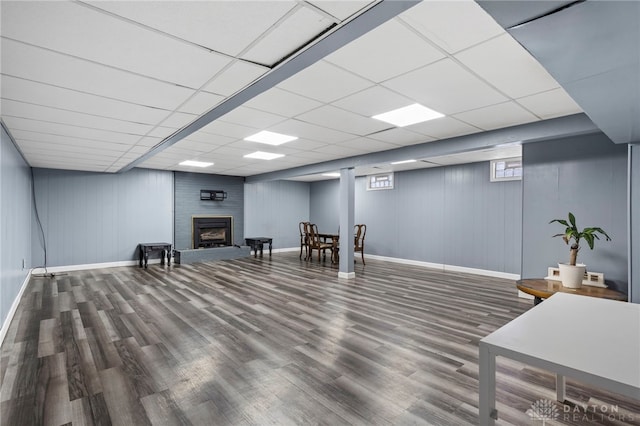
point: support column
(346, 209)
(633, 211)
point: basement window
(506, 169)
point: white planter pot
(572, 276)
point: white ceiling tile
(238, 75)
(71, 131)
(178, 120)
(44, 66)
(372, 101)
(443, 128)
(26, 136)
(324, 82)
(344, 121)
(37, 142)
(224, 26)
(72, 100)
(446, 87)
(400, 136)
(109, 40)
(310, 131)
(54, 115)
(386, 51)
(304, 144)
(452, 25)
(162, 132)
(201, 102)
(336, 151)
(551, 104)
(149, 141)
(300, 27)
(366, 145)
(252, 117)
(339, 8)
(207, 139)
(506, 65)
(497, 116)
(311, 156)
(48, 148)
(281, 102)
(235, 131)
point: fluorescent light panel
(191, 163)
(331, 174)
(404, 162)
(263, 155)
(270, 138)
(408, 115)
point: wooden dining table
(335, 243)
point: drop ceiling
(97, 85)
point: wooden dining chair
(359, 233)
(304, 239)
(315, 243)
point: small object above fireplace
(213, 194)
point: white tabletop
(576, 335)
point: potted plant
(572, 274)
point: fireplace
(211, 231)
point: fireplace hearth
(211, 231)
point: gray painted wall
(634, 214)
(324, 205)
(15, 223)
(98, 217)
(188, 203)
(274, 209)
(586, 175)
(452, 215)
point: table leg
(162, 254)
(169, 256)
(560, 388)
(254, 247)
(487, 387)
(140, 256)
(261, 248)
(270, 243)
(146, 258)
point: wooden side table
(258, 243)
(540, 289)
(145, 248)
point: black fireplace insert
(212, 231)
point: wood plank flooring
(271, 341)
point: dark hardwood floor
(271, 341)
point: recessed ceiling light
(263, 155)
(408, 115)
(404, 162)
(331, 174)
(270, 138)
(191, 163)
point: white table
(595, 341)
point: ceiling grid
(104, 86)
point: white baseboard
(13, 309)
(347, 275)
(447, 268)
(69, 268)
(282, 250)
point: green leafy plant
(573, 233)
